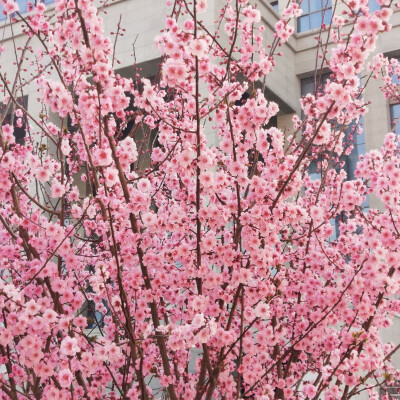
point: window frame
(326, 6)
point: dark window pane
(393, 390)
(313, 170)
(272, 123)
(307, 86)
(19, 134)
(275, 5)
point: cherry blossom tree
(209, 272)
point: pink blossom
(185, 158)
(174, 72)
(103, 157)
(6, 337)
(111, 176)
(43, 174)
(69, 346)
(65, 377)
(207, 179)
(10, 7)
(50, 316)
(309, 390)
(8, 131)
(262, 310)
(198, 48)
(201, 6)
(316, 214)
(57, 189)
(198, 321)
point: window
(308, 84)
(396, 73)
(145, 138)
(23, 7)
(358, 141)
(20, 123)
(351, 137)
(351, 160)
(314, 169)
(315, 13)
(95, 318)
(272, 123)
(395, 118)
